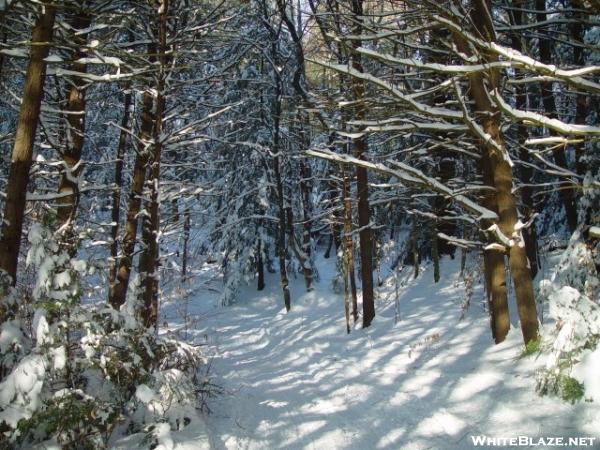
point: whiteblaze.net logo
(528, 441)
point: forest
(269, 224)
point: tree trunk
(4, 39)
(281, 235)
(362, 186)
(260, 285)
(435, 255)
(567, 194)
(305, 175)
(149, 258)
(494, 268)
(18, 178)
(414, 245)
(526, 172)
(186, 240)
(501, 174)
(577, 32)
(116, 197)
(348, 240)
(119, 292)
(280, 201)
(68, 187)
(337, 214)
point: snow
(10, 335)
(144, 394)
(14, 52)
(53, 59)
(539, 119)
(20, 390)
(41, 327)
(163, 436)
(59, 356)
(587, 371)
(410, 176)
(298, 381)
(62, 279)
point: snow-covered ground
(429, 381)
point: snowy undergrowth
(571, 339)
(431, 380)
(88, 375)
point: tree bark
(362, 186)
(281, 235)
(18, 178)
(414, 246)
(260, 285)
(186, 240)
(280, 202)
(118, 188)
(435, 255)
(567, 194)
(119, 292)
(305, 175)
(577, 32)
(149, 258)
(68, 187)
(526, 172)
(348, 240)
(501, 174)
(494, 268)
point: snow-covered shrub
(14, 343)
(91, 372)
(572, 295)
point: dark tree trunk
(260, 285)
(327, 253)
(119, 291)
(567, 194)
(526, 172)
(414, 245)
(281, 233)
(281, 226)
(18, 177)
(435, 255)
(494, 268)
(501, 174)
(305, 174)
(68, 187)
(187, 225)
(577, 32)
(348, 240)
(149, 258)
(337, 214)
(116, 197)
(362, 186)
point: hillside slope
(430, 381)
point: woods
(145, 144)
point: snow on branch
(404, 98)
(495, 230)
(409, 176)
(486, 138)
(456, 69)
(539, 119)
(413, 126)
(552, 140)
(458, 242)
(521, 61)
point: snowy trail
(297, 381)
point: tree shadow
(297, 381)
